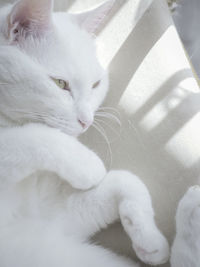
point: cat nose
(85, 124)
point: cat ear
(29, 17)
(91, 20)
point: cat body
(43, 215)
(186, 246)
(55, 193)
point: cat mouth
(75, 130)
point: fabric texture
(186, 18)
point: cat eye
(95, 85)
(62, 84)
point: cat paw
(148, 242)
(88, 181)
(192, 196)
(88, 174)
(153, 248)
(189, 207)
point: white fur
(47, 211)
(186, 247)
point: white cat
(186, 247)
(51, 85)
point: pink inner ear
(92, 20)
(30, 16)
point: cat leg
(120, 195)
(186, 246)
(37, 244)
(36, 147)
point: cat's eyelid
(57, 78)
(59, 82)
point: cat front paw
(192, 197)
(88, 179)
(148, 242)
(88, 173)
(188, 212)
(154, 249)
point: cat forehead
(76, 42)
(67, 51)
(72, 52)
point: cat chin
(73, 133)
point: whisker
(108, 116)
(38, 117)
(112, 129)
(110, 108)
(101, 130)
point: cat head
(49, 72)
